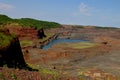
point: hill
(27, 22)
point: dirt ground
(98, 61)
(103, 57)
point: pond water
(56, 41)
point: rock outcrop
(10, 50)
(41, 33)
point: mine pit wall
(11, 55)
(42, 44)
(88, 34)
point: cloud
(4, 6)
(85, 9)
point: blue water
(56, 41)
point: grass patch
(5, 40)
(82, 45)
(25, 43)
(77, 45)
(43, 70)
(46, 73)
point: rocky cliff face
(10, 50)
(88, 33)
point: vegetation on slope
(28, 22)
(4, 19)
(5, 39)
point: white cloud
(4, 6)
(84, 9)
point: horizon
(84, 12)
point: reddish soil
(24, 33)
(104, 57)
(16, 74)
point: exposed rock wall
(41, 33)
(42, 44)
(11, 54)
(88, 34)
(23, 33)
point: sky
(104, 13)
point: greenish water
(56, 41)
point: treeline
(4, 19)
(28, 22)
(99, 27)
(96, 27)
